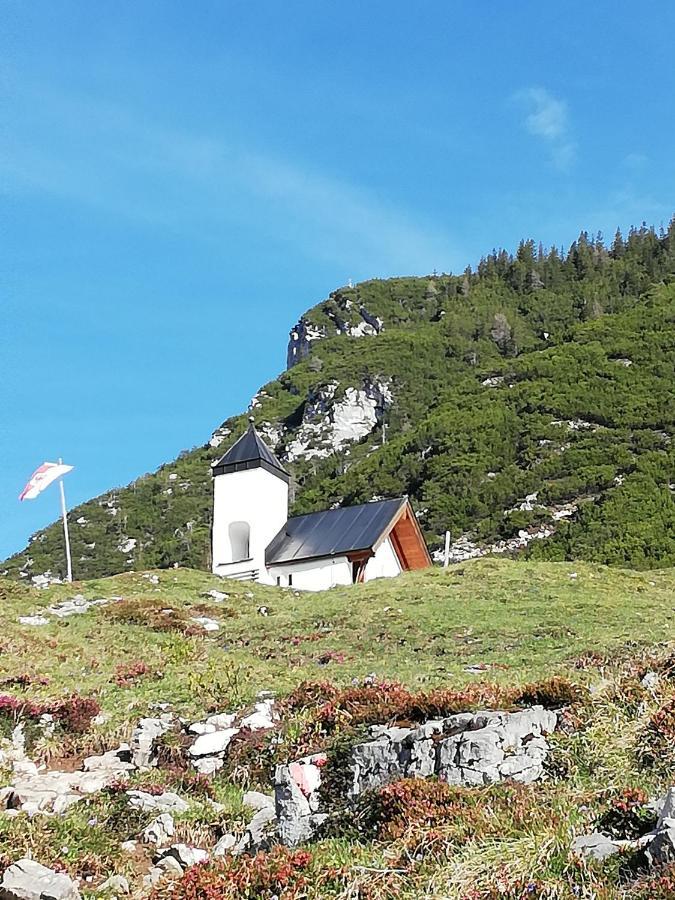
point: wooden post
(446, 555)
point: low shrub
(389, 701)
(153, 613)
(279, 873)
(25, 679)
(658, 886)
(552, 693)
(413, 807)
(627, 816)
(74, 714)
(126, 674)
(252, 757)
(656, 741)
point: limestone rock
(465, 749)
(116, 884)
(143, 739)
(595, 846)
(257, 832)
(298, 813)
(28, 880)
(257, 801)
(225, 845)
(159, 830)
(212, 743)
(184, 855)
(166, 802)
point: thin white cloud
(547, 118)
(207, 185)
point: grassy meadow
(491, 620)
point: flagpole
(69, 562)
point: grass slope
(526, 620)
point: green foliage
(487, 370)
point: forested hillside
(525, 406)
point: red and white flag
(42, 477)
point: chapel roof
(333, 532)
(250, 452)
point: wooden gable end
(408, 541)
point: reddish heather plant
(627, 815)
(387, 701)
(127, 674)
(658, 886)
(74, 714)
(656, 741)
(281, 873)
(24, 680)
(412, 806)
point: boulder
(166, 802)
(226, 844)
(213, 743)
(257, 835)
(116, 884)
(262, 717)
(184, 855)
(661, 848)
(208, 765)
(159, 830)
(257, 801)
(298, 813)
(465, 749)
(28, 880)
(595, 846)
(143, 739)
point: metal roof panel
(332, 532)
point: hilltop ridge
(525, 406)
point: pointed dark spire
(250, 452)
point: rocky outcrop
(347, 317)
(300, 339)
(34, 791)
(297, 801)
(331, 422)
(465, 749)
(28, 880)
(214, 734)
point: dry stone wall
(465, 749)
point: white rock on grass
(206, 623)
(220, 721)
(166, 802)
(160, 830)
(33, 620)
(185, 855)
(28, 880)
(143, 739)
(226, 844)
(212, 743)
(256, 800)
(262, 718)
(208, 765)
(595, 846)
(116, 884)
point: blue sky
(179, 181)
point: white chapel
(253, 538)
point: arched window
(240, 533)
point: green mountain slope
(527, 406)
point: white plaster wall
(314, 575)
(384, 564)
(254, 496)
